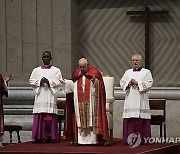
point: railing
(170, 93)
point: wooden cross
(147, 14)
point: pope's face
(136, 62)
(83, 67)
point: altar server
(46, 81)
(136, 82)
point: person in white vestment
(46, 81)
(136, 82)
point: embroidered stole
(84, 104)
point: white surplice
(85, 135)
(46, 98)
(137, 98)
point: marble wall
(99, 30)
(108, 37)
(29, 27)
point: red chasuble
(102, 124)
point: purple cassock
(45, 125)
(134, 125)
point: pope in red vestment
(99, 120)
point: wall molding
(170, 93)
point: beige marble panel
(173, 118)
(44, 27)
(75, 55)
(117, 121)
(61, 36)
(2, 37)
(29, 36)
(14, 37)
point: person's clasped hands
(44, 81)
(133, 83)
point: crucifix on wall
(147, 13)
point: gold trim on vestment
(84, 114)
(84, 108)
(96, 107)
